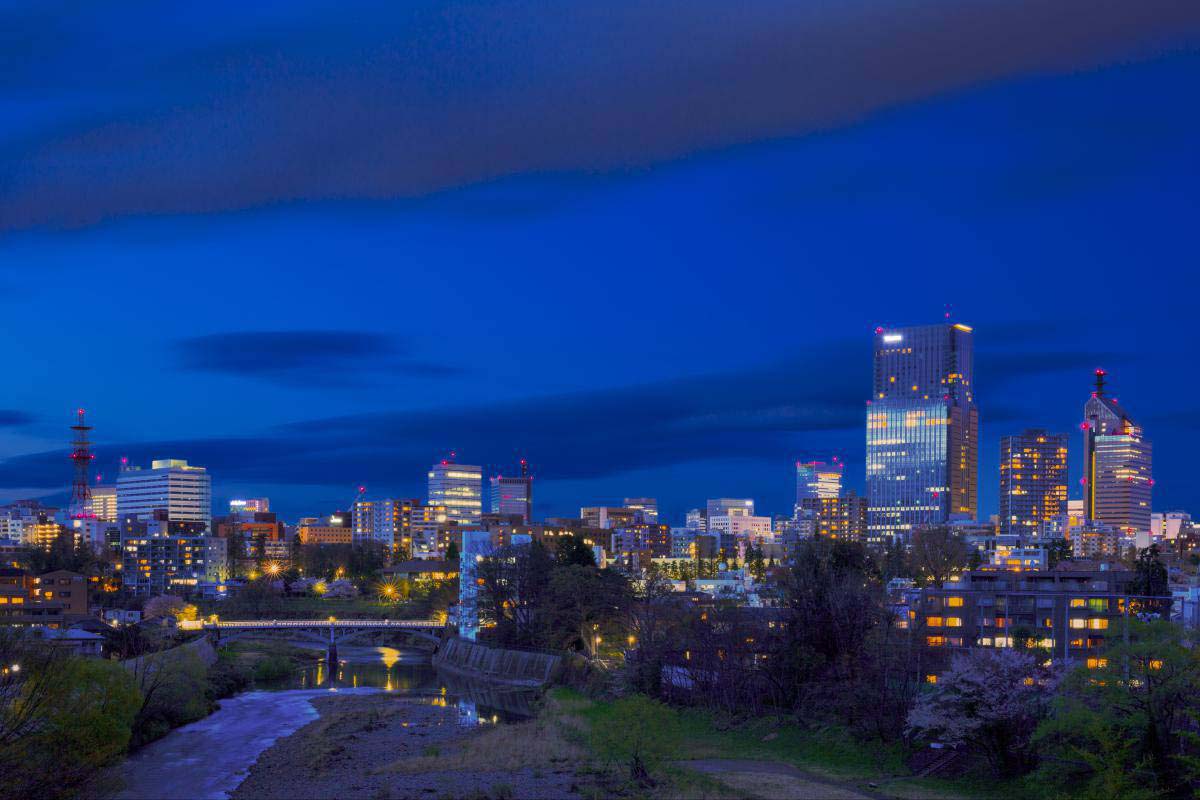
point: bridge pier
(332, 653)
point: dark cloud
(213, 110)
(305, 357)
(762, 412)
(11, 418)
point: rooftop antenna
(949, 310)
(1100, 382)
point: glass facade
(907, 470)
(922, 430)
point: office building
(1033, 481)
(816, 479)
(696, 520)
(314, 531)
(646, 508)
(608, 517)
(513, 496)
(102, 504)
(458, 487)
(753, 530)
(729, 507)
(922, 430)
(171, 485)
(253, 505)
(1117, 464)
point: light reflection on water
(409, 672)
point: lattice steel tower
(81, 457)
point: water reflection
(409, 672)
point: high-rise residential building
(816, 479)
(458, 487)
(1118, 478)
(922, 430)
(513, 496)
(730, 507)
(838, 517)
(160, 554)
(172, 485)
(394, 523)
(1033, 481)
(646, 508)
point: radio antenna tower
(81, 457)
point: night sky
(644, 245)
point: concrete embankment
(474, 661)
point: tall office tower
(922, 430)
(1033, 481)
(646, 507)
(815, 479)
(458, 487)
(697, 520)
(730, 507)
(102, 504)
(171, 485)
(514, 496)
(1117, 464)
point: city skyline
(803, 471)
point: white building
(758, 530)
(458, 487)
(171, 485)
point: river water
(209, 758)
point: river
(209, 758)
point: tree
(168, 605)
(991, 700)
(755, 562)
(452, 552)
(77, 717)
(937, 553)
(1057, 551)
(1150, 579)
(1126, 720)
(574, 551)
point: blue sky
(316, 246)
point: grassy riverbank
(688, 754)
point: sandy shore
(346, 752)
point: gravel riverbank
(345, 753)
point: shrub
(639, 732)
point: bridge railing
(314, 623)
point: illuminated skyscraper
(514, 496)
(922, 430)
(458, 487)
(172, 485)
(1117, 464)
(1033, 481)
(816, 479)
(647, 507)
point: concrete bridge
(329, 632)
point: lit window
(933, 622)
(935, 641)
(954, 602)
(953, 622)
(1097, 663)
(1079, 623)
(1098, 624)
(931, 678)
